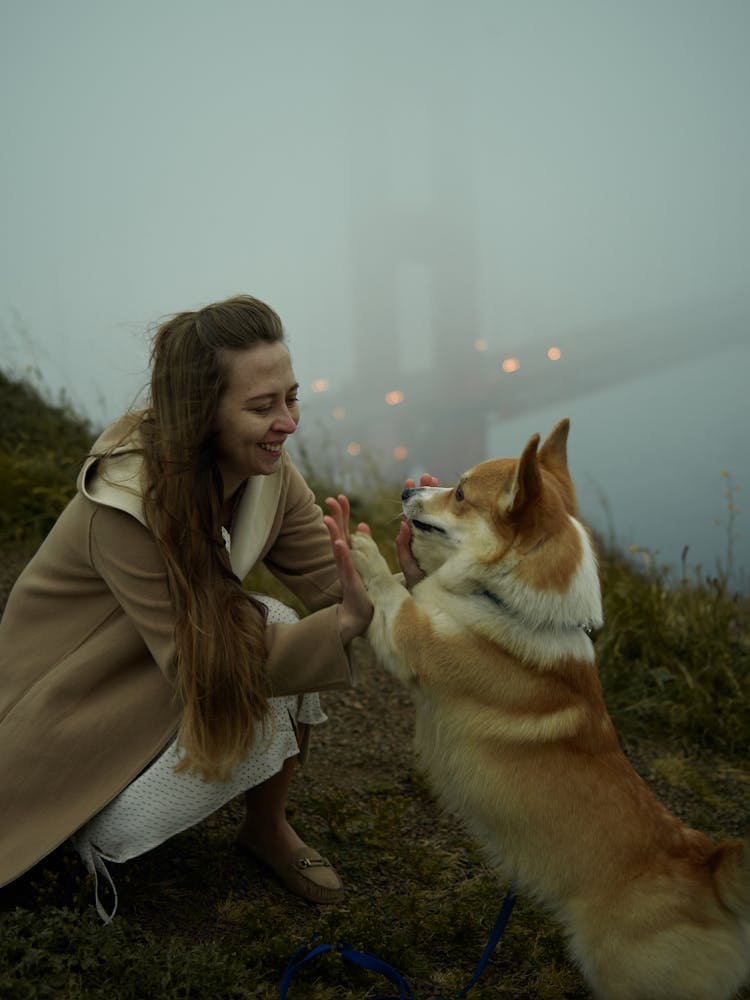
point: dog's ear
(554, 451)
(527, 485)
(553, 456)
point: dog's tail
(732, 875)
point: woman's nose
(286, 423)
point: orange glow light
(394, 398)
(480, 345)
(319, 385)
(554, 354)
(353, 448)
(400, 453)
(511, 365)
(338, 412)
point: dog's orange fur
(514, 734)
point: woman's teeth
(273, 448)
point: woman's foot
(300, 868)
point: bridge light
(394, 397)
(353, 448)
(554, 353)
(480, 345)
(511, 365)
(319, 385)
(400, 453)
(338, 413)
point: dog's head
(495, 506)
(508, 527)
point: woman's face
(256, 413)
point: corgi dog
(514, 736)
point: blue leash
(309, 951)
(362, 958)
(497, 932)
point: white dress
(160, 803)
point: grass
(198, 921)
(675, 658)
(428, 915)
(41, 445)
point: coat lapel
(253, 521)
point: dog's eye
(459, 493)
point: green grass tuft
(42, 446)
(675, 657)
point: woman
(140, 686)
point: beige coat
(87, 649)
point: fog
(424, 190)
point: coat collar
(118, 483)
(254, 520)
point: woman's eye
(291, 401)
(459, 494)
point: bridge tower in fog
(424, 248)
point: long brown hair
(219, 629)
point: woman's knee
(278, 612)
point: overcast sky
(583, 164)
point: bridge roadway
(442, 422)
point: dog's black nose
(407, 493)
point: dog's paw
(367, 559)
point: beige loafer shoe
(312, 877)
(308, 875)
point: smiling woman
(258, 410)
(162, 686)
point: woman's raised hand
(409, 565)
(424, 480)
(355, 610)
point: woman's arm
(306, 656)
(299, 553)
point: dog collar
(564, 627)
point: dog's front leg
(389, 599)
